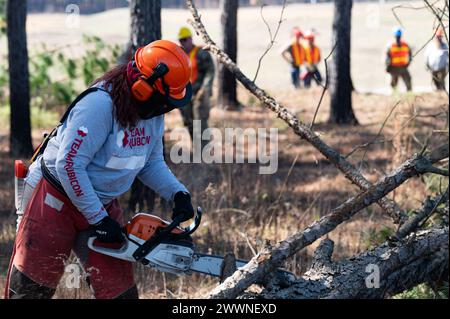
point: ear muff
(141, 90)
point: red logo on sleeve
(82, 131)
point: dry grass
(245, 210)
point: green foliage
(2, 17)
(435, 184)
(373, 237)
(56, 78)
(95, 62)
(3, 83)
(424, 291)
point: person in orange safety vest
(398, 59)
(294, 54)
(312, 59)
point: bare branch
(391, 139)
(438, 17)
(281, 111)
(428, 208)
(417, 259)
(272, 257)
(325, 87)
(272, 38)
(379, 132)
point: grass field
(372, 27)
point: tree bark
(227, 96)
(19, 86)
(272, 257)
(145, 28)
(421, 257)
(341, 87)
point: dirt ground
(372, 30)
(244, 210)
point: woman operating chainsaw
(111, 134)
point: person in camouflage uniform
(202, 79)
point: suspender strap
(45, 171)
(51, 179)
(78, 99)
(43, 145)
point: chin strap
(132, 73)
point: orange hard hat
(439, 32)
(309, 35)
(296, 32)
(176, 79)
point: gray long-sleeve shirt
(97, 160)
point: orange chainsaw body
(144, 226)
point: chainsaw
(168, 247)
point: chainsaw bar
(211, 264)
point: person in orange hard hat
(294, 54)
(110, 135)
(398, 59)
(436, 59)
(312, 59)
(202, 78)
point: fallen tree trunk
(379, 273)
(298, 127)
(272, 257)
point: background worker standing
(202, 79)
(294, 54)
(312, 59)
(398, 59)
(436, 59)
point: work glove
(108, 231)
(183, 206)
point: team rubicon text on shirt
(133, 137)
(77, 142)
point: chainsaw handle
(123, 252)
(165, 232)
(152, 242)
(192, 227)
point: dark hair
(116, 82)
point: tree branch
(272, 257)
(417, 259)
(428, 208)
(298, 127)
(272, 37)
